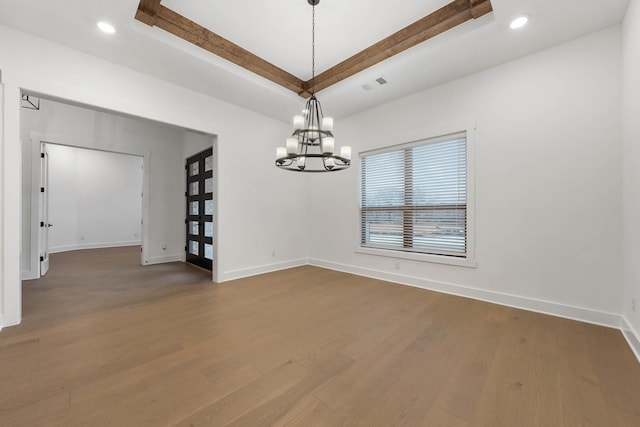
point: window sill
(460, 262)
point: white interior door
(43, 246)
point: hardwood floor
(106, 342)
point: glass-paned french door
(199, 218)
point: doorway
(89, 199)
(199, 217)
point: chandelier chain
(313, 50)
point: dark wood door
(199, 218)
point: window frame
(415, 139)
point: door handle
(49, 225)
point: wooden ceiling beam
(480, 7)
(152, 13)
(443, 19)
(147, 11)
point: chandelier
(311, 147)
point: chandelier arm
(318, 121)
(287, 163)
(316, 155)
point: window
(414, 197)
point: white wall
(95, 199)
(194, 143)
(548, 160)
(247, 180)
(631, 167)
(2, 236)
(548, 172)
(158, 144)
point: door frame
(37, 139)
(200, 260)
(43, 213)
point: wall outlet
(633, 304)
(164, 246)
(273, 254)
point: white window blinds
(414, 197)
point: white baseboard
(80, 246)
(546, 307)
(163, 259)
(632, 337)
(268, 268)
(28, 275)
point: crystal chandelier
(311, 147)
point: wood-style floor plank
(107, 342)
(582, 395)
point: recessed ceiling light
(520, 21)
(105, 27)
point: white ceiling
(343, 28)
(279, 31)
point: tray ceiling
(192, 29)
(279, 31)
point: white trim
(81, 246)
(435, 130)
(267, 268)
(545, 307)
(162, 259)
(10, 207)
(215, 270)
(466, 126)
(3, 283)
(146, 205)
(632, 337)
(34, 206)
(420, 141)
(415, 256)
(27, 275)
